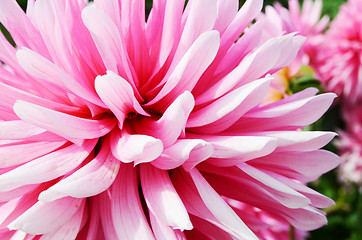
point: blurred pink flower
(338, 61)
(350, 144)
(304, 20)
(113, 128)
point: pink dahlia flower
(338, 62)
(350, 145)
(117, 128)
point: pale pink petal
(18, 152)
(162, 199)
(190, 67)
(165, 232)
(268, 56)
(18, 129)
(300, 140)
(304, 166)
(201, 18)
(109, 43)
(65, 125)
(127, 213)
(225, 111)
(231, 150)
(172, 123)
(99, 173)
(103, 201)
(134, 147)
(47, 167)
(70, 229)
(316, 198)
(226, 12)
(42, 68)
(285, 195)
(185, 152)
(47, 217)
(118, 95)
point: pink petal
(65, 125)
(172, 123)
(47, 167)
(18, 152)
(231, 150)
(135, 148)
(219, 212)
(226, 12)
(20, 27)
(295, 114)
(300, 140)
(165, 232)
(162, 199)
(42, 68)
(18, 129)
(70, 229)
(225, 111)
(109, 43)
(189, 69)
(103, 201)
(127, 213)
(304, 166)
(118, 95)
(201, 18)
(185, 152)
(47, 217)
(317, 199)
(284, 194)
(252, 67)
(98, 174)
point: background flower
(338, 63)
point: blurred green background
(344, 218)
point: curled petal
(185, 152)
(172, 123)
(134, 147)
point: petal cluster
(118, 126)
